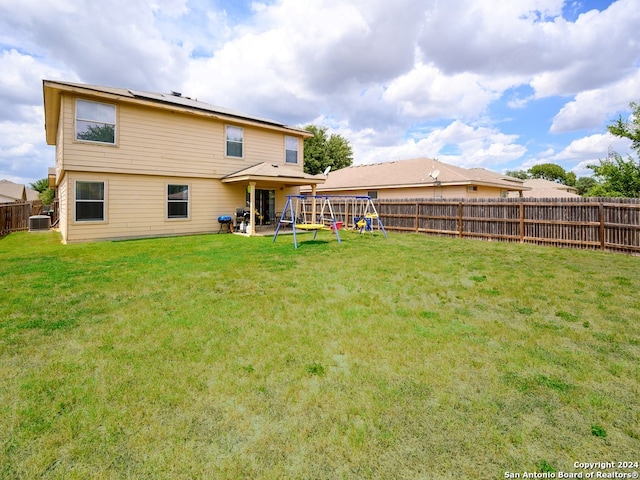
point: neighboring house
(140, 164)
(540, 188)
(16, 192)
(418, 178)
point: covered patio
(268, 185)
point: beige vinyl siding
(136, 206)
(158, 142)
(485, 192)
(265, 146)
(444, 191)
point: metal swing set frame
(301, 212)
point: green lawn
(226, 357)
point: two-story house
(139, 164)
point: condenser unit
(38, 223)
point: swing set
(316, 212)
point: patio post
(252, 207)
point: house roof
(12, 192)
(273, 173)
(415, 172)
(31, 194)
(52, 90)
(540, 188)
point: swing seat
(310, 226)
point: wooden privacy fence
(14, 217)
(589, 223)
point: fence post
(521, 221)
(601, 215)
(460, 219)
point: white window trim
(287, 150)
(75, 121)
(167, 201)
(226, 141)
(104, 201)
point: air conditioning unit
(39, 223)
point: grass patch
(227, 357)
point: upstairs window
(89, 201)
(234, 141)
(95, 122)
(291, 149)
(177, 201)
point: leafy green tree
(521, 174)
(40, 185)
(584, 184)
(617, 177)
(630, 129)
(553, 173)
(46, 194)
(324, 151)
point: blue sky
(499, 84)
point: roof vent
(176, 94)
(39, 223)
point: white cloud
(530, 38)
(475, 146)
(24, 156)
(115, 44)
(474, 35)
(426, 92)
(600, 46)
(591, 108)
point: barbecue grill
(226, 223)
(242, 219)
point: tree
(618, 177)
(521, 174)
(321, 151)
(553, 173)
(46, 194)
(40, 185)
(630, 129)
(585, 184)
